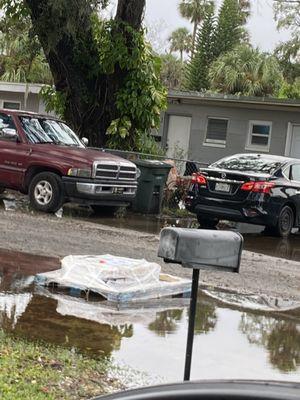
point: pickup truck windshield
(43, 130)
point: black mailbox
(201, 249)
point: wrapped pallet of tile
(117, 279)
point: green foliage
(198, 67)
(290, 90)
(54, 100)
(245, 10)
(21, 59)
(195, 11)
(246, 71)
(287, 17)
(215, 38)
(288, 55)
(181, 40)
(14, 10)
(142, 95)
(37, 371)
(229, 30)
(171, 71)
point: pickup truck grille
(114, 171)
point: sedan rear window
(249, 163)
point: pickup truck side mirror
(10, 134)
(85, 141)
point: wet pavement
(254, 237)
(230, 342)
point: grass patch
(37, 371)
(177, 212)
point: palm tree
(246, 71)
(21, 58)
(171, 71)
(245, 7)
(181, 40)
(194, 11)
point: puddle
(230, 341)
(254, 237)
(253, 302)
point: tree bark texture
(65, 32)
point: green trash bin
(151, 185)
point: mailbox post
(199, 249)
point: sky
(162, 17)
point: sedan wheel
(285, 222)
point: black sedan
(253, 188)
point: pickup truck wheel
(46, 192)
(2, 190)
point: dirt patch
(55, 237)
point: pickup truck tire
(2, 190)
(46, 192)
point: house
(203, 127)
(207, 127)
(21, 96)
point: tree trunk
(65, 33)
(194, 38)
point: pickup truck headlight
(138, 173)
(80, 172)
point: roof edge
(230, 98)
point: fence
(178, 180)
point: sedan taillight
(258, 186)
(199, 179)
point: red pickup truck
(42, 157)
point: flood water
(150, 337)
(254, 237)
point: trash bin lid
(152, 164)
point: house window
(259, 137)
(11, 105)
(216, 131)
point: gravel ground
(57, 237)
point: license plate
(222, 187)
(118, 190)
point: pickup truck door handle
(30, 151)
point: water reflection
(100, 329)
(280, 337)
(12, 306)
(41, 321)
(284, 346)
(166, 322)
(206, 317)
